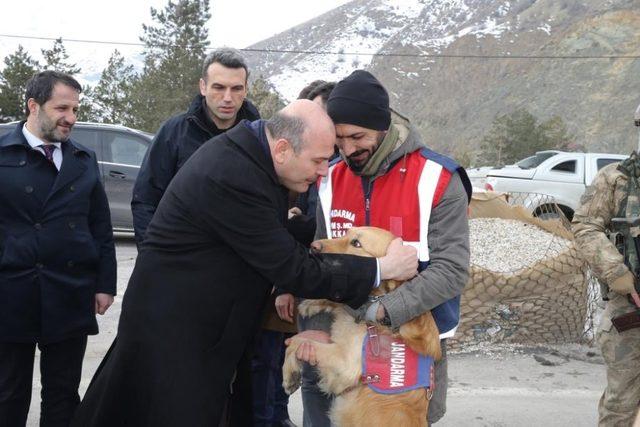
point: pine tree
(266, 99)
(174, 50)
(87, 111)
(519, 134)
(56, 59)
(557, 131)
(19, 68)
(111, 97)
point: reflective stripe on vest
(401, 202)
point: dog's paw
(291, 382)
(309, 308)
(306, 309)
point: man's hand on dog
(285, 305)
(306, 351)
(400, 262)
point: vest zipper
(367, 186)
(366, 210)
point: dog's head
(362, 241)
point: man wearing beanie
(389, 179)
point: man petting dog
(389, 179)
(215, 247)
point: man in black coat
(57, 256)
(215, 247)
(220, 106)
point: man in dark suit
(214, 248)
(57, 256)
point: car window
(534, 161)
(88, 138)
(604, 162)
(124, 148)
(568, 166)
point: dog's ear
(375, 241)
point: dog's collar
(371, 312)
(372, 336)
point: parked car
(557, 176)
(120, 151)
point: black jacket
(56, 243)
(213, 249)
(178, 138)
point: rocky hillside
(453, 65)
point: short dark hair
(304, 93)
(289, 127)
(228, 57)
(40, 86)
(323, 91)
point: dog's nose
(316, 247)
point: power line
(13, 36)
(342, 53)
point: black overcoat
(215, 247)
(56, 242)
(176, 141)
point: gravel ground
(526, 244)
(488, 385)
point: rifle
(630, 227)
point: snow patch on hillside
(351, 48)
(426, 27)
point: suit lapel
(72, 167)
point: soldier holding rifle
(607, 233)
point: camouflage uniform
(612, 195)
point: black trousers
(60, 370)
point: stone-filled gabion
(526, 286)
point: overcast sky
(235, 23)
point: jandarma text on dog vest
(397, 364)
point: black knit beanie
(360, 100)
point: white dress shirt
(36, 143)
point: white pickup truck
(555, 176)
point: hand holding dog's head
(369, 242)
(362, 241)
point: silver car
(120, 151)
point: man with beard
(389, 179)
(57, 256)
(220, 105)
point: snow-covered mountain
(453, 65)
(364, 28)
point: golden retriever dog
(340, 362)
